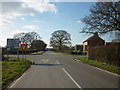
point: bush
(107, 54)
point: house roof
(95, 36)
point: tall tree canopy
(60, 38)
(104, 17)
(27, 37)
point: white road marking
(17, 80)
(57, 62)
(72, 79)
(45, 60)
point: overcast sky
(43, 18)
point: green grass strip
(12, 68)
(101, 65)
(40, 52)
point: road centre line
(45, 60)
(57, 62)
(72, 78)
(17, 80)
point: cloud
(4, 22)
(18, 31)
(22, 18)
(35, 21)
(39, 6)
(46, 1)
(31, 27)
(32, 14)
(11, 10)
(79, 21)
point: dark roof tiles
(93, 38)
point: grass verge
(101, 65)
(38, 53)
(12, 69)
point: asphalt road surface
(53, 70)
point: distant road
(53, 70)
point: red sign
(24, 47)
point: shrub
(107, 54)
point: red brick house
(93, 41)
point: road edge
(98, 68)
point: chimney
(95, 34)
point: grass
(12, 68)
(101, 65)
(36, 53)
(60, 53)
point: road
(53, 70)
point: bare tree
(104, 17)
(60, 38)
(27, 37)
(117, 37)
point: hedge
(107, 54)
